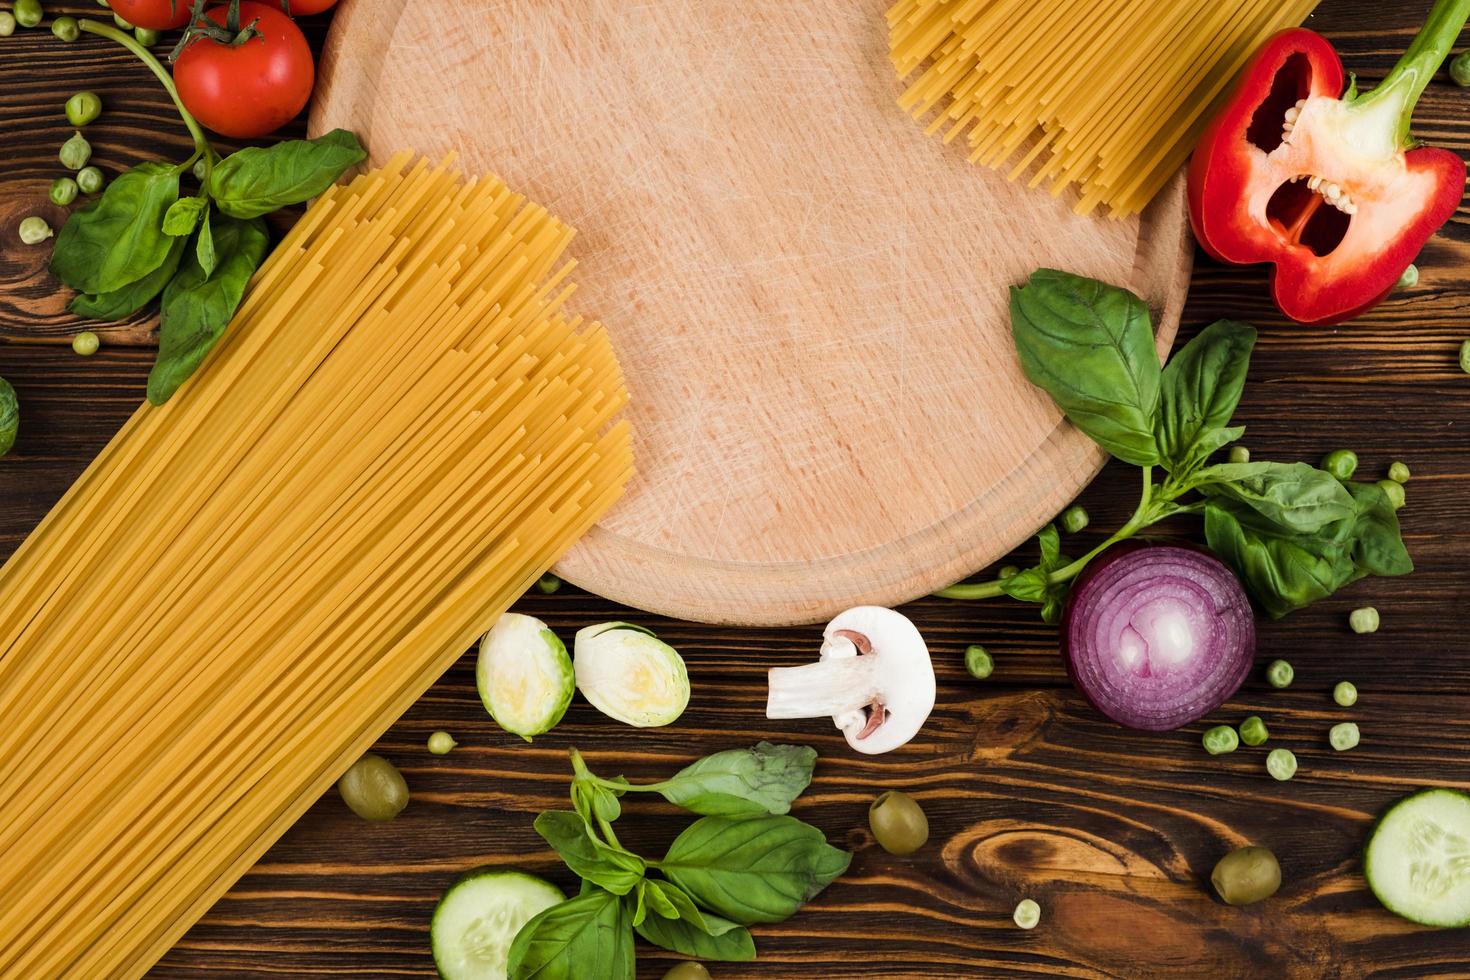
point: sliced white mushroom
(874, 679)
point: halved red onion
(1157, 636)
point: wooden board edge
(799, 593)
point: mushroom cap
(902, 675)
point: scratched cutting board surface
(808, 295)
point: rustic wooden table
(1028, 791)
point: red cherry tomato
(156, 15)
(305, 8)
(250, 89)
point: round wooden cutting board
(807, 293)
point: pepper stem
(201, 142)
(1400, 91)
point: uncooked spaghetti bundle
(400, 431)
(1105, 96)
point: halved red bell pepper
(1329, 187)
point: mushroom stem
(827, 687)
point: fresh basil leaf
(1091, 347)
(9, 416)
(1378, 544)
(752, 869)
(1027, 586)
(182, 217)
(1053, 604)
(612, 868)
(1049, 541)
(118, 238)
(1283, 570)
(1296, 496)
(1208, 442)
(594, 801)
(587, 936)
(639, 899)
(1199, 391)
(261, 179)
(124, 302)
(204, 246)
(762, 779)
(658, 901)
(675, 898)
(732, 945)
(197, 306)
(1035, 585)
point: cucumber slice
(524, 675)
(1418, 858)
(478, 917)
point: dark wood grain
(1029, 792)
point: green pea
(548, 584)
(1221, 739)
(687, 970)
(7, 23)
(122, 24)
(1281, 764)
(1279, 674)
(146, 36)
(1409, 279)
(440, 743)
(1239, 454)
(1341, 463)
(29, 13)
(1074, 519)
(1345, 694)
(1465, 356)
(75, 152)
(66, 28)
(898, 823)
(1395, 492)
(374, 789)
(1364, 620)
(1253, 731)
(1398, 472)
(1246, 875)
(978, 662)
(63, 191)
(1343, 736)
(1460, 70)
(82, 108)
(86, 343)
(34, 230)
(90, 180)
(1027, 914)
(1011, 571)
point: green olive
(687, 971)
(1247, 875)
(374, 789)
(898, 823)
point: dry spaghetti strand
(401, 430)
(1104, 98)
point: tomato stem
(201, 142)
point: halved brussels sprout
(524, 675)
(631, 675)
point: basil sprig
(1293, 533)
(9, 416)
(141, 240)
(745, 861)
